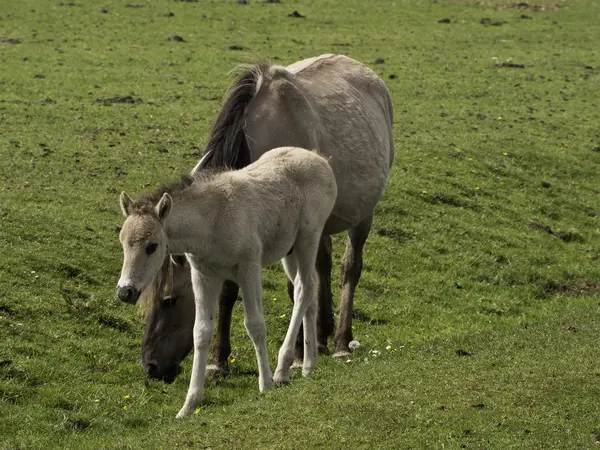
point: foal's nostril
(127, 294)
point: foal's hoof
(281, 380)
(184, 412)
(214, 371)
(307, 371)
(267, 385)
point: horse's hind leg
(222, 347)
(325, 322)
(350, 274)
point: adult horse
(330, 103)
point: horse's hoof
(297, 364)
(323, 350)
(214, 371)
(341, 354)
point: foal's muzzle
(128, 294)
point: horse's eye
(151, 248)
(169, 301)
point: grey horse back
(339, 107)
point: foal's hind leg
(222, 347)
(300, 267)
(325, 322)
(350, 274)
(249, 279)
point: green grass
(487, 240)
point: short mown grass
(478, 307)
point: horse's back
(339, 106)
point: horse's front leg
(350, 274)
(206, 291)
(249, 279)
(222, 347)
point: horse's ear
(126, 202)
(178, 260)
(164, 206)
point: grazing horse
(230, 225)
(330, 103)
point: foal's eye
(151, 248)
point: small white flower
(348, 360)
(353, 345)
(388, 347)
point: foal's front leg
(206, 291)
(249, 279)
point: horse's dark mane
(227, 145)
(227, 149)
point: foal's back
(286, 192)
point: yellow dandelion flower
(125, 408)
(197, 410)
(424, 191)
(469, 159)
(232, 361)
(499, 118)
(505, 153)
(97, 400)
(282, 316)
(126, 397)
(477, 188)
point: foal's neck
(188, 226)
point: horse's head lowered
(144, 244)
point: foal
(229, 225)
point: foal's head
(144, 244)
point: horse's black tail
(228, 146)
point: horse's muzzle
(128, 294)
(153, 371)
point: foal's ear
(164, 206)
(125, 201)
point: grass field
(478, 310)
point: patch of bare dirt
(530, 6)
(509, 65)
(120, 99)
(577, 288)
(565, 236)
(6, 40)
